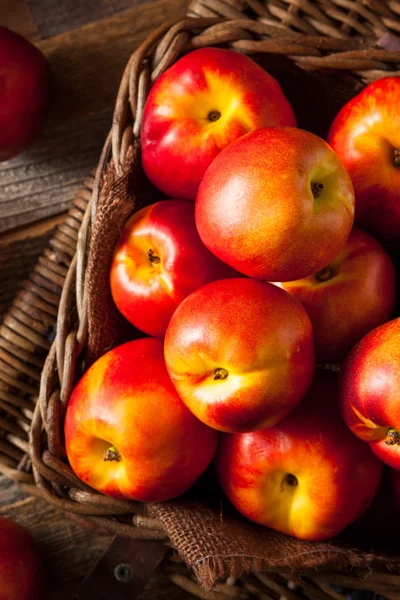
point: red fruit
(127, 432)
(352, 295)
(205, 101)
(240, 353)
(276, 204)
(21, 568)
(370, 391)
(158, 261)
(366, 137)
(307, 476)
(24, 92)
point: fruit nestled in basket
(366, 137)
(24, 92)
(158, 261)
(307, 476)
(352, 295)
(276, 204)
(370, 391)
(21, 568)
(205, 101)
(127, 432)
(240, 353)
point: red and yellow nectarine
(276, 204)
(370, 391)
(205, 101)
(366, 137)
(158, 261)
(307, 476)
(127, 432)
(352, 295)
(240, 353)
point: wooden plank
(41, 182)
(87, 64)
(56, 16)
(9, 492)
(19, 251)
(15, 15)
(69, 550)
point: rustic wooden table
(87, 43)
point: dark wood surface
(36, 189)
(69, 551)
(53, 17)
(87, 63)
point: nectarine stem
(112, 454)
(392, 437)
(316, 188)
(396, 157)
(214, 115)
(324, 274)
(291, 479)
(220, 373)
(153, 258)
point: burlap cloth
(214, 542)
(218, 545)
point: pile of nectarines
(246, 291)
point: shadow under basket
(241, 559)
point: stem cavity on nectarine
(220, 373)
(112, 454)
(291, 479)
(324, 274)
(153, 258)
(392, 437)
(396, 157)
(214, 115)
(316, 188)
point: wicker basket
(322, 36)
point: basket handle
(122, 571)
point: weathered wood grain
(41, 182)
(9, 492)
(19, 252)
(69, 550)
(15, 15)
(56, 16)
(87, 64)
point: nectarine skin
(366, 136)
(276, 204)
(370, 391)
(21, 568)
(205, 101)
(24, 92)
(158, 261)
(307, 476)
(127, 432)
(352, 295)
(240, 353)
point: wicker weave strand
(340, 19)
(25, 339)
